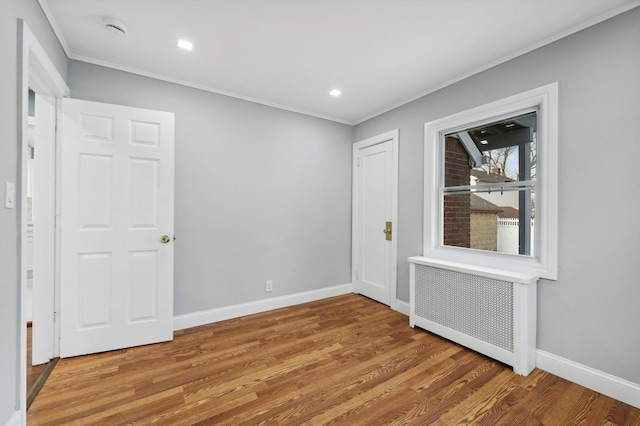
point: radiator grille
(477, 306)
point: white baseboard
(195, 319)
(16, 419)
(605, 383)
(402, 307)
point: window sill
(489, 272)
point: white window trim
(545, 264)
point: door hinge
(357, 277)
(358, 162)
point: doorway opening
(39, 81)
(38, 367)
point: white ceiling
(291, 53)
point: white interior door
(117, 204)
(374, 209)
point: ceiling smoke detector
(115, 26)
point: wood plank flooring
(343, 361)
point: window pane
(472, 221)
(504, 150)
(487, 212)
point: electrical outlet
(268, 286)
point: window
(491, 185)
(488, 186)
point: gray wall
(10, 11)
(261, 193)
(590, 315)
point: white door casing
(44, 230)
(374, 204)
(117, 194)
(36, 72)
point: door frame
(44, 237)
(393, 136)
(35, 71)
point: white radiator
(488, 310)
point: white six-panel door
(117, 196)
(374, 209)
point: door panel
(94, 298)
(94, 191)
(374, 210)
(143, 283)
(117, 202)
(143, 181)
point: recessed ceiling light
(484, 142)
(184, 44)
(335, 92)
(510, 125)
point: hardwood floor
(345, 360)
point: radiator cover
(476, 306)
(492, 316)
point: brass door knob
(165, 239)
(388, 230)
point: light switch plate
(9, 195)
